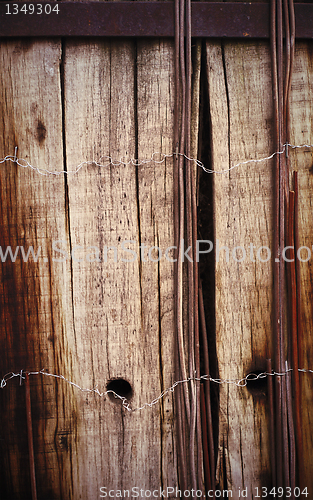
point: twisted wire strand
(21, 162)
(125, 402)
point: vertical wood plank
(155, 104)
(106, 295)
(109, 320)
(33, 307)
(301, 160)
(239, 89)
(240, 100)
(122, 305)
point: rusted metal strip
(298, 273)
(179, 394)
(276, 336)
(294, 237)
(206, 458)
(283, 205)
(291, 434)
(292, 344)
(206, 384)
(299, 331)
(181, 428)
(186, 68)
(143, 19)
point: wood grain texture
(34, 310)
(240, 101)
(301, 160)
(94, 319)
(90, 317)
(106, 295)
(126, 307)
(155, 106)
(239, 84)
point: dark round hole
(257, 386)
(121, 387)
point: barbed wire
(156, 158)
(241, 163)
(162, 157)
(125, 402)
(21, 162)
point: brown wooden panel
(113, 338)
(155, 104)
(301, 160)
(89, 321)
(241, 116)
(36, 319)
(240, 100)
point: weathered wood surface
(34, 300)
(241, 114)
(301, 160)
(96, 321)
(126, 308)
(89, 321)
(240, 106)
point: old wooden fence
(106, 320)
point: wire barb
(125, 403)
(156, 158)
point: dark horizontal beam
(142, 19)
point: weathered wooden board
(123, 310)
(239, 84)
(301, 160)
(95, 317)
(36, 323)
(240, 102)
(155, 106)
(90, 321)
